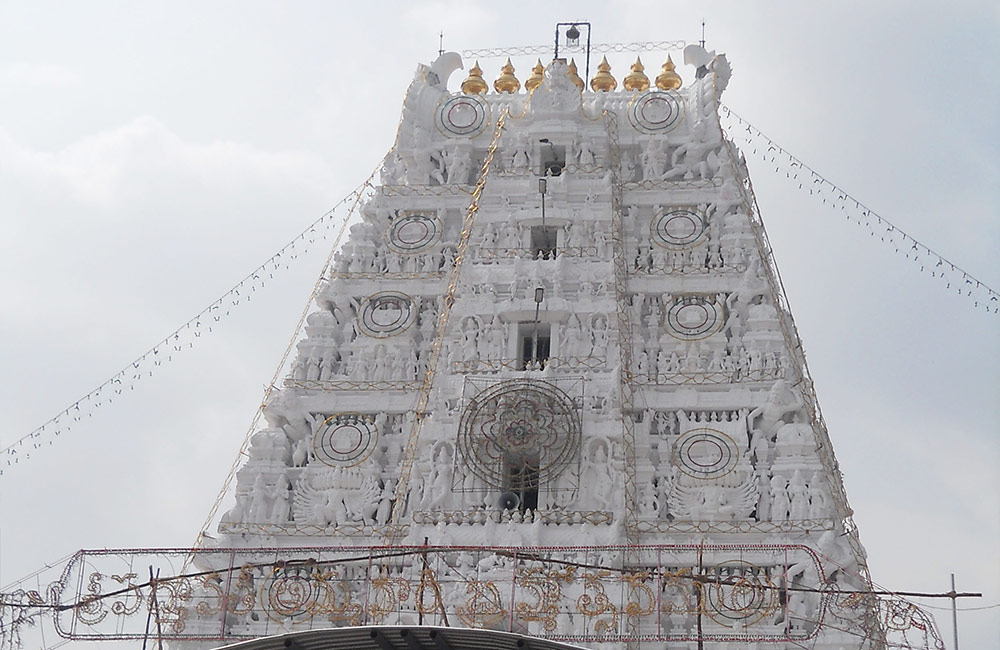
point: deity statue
(781, 401)
(798, 508)
(794, 439)
(653, 161)
(779, 499)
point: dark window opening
(534, 345)
(522, 481)
(553, 159)
(543, 242)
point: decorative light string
(182, 338)
(596, 48)
(808, 179)
(353, 202)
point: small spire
(507, 82)
(536, 77)
(474, 84)
(636, 80)
(574, 74)
(668, 79)
(603, 81)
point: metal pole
(534, 341)
(954, 610)
(542, 187)
(539, 295)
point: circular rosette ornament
(292, 594)
(694, 317)
(519, 423)
(413, 232)
(705, 454)
(739, 593)
(464, 116)
(656, 111)
(678, 228)
(345, 439)
(386, 314)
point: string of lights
(809, 180)
(353, 201)
(597, 48)
(180, 339)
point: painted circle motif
(520, 421)
(678, 228)
(741, 591)
(695, 317)
(386, 314)
(411, 233)
(463, 116)
(705, 454)
(655, 111)
(345, 440)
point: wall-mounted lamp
(539, 294)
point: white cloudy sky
(151, 154)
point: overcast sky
(152, 154)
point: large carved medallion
(678, 228)
(518, 421)
(656, 111)
(386, 313)
(705, 454)
(694, 316)
(345, 439)
(464, 116)
(413, 232)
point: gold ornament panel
(718, 593)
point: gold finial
(507, 82)
(668, 79)
(474, 84)
(574, 74)
(636, 80)
(536, 77)
(603, 81)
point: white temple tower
(551, 387)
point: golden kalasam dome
(474, 84)
(536, 77)
(668, 79)
(574, 74)
(507, 82)
(603, 81)
(636, 80)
